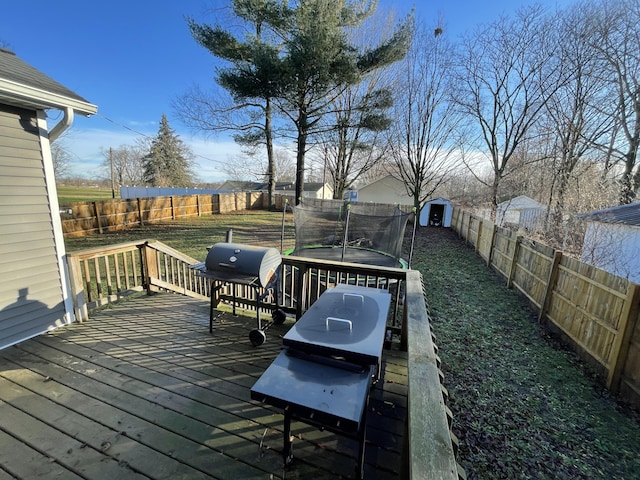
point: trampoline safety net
(346, 234)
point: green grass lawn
(192, 236)
(67, 194)
(524, 406)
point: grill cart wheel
(278, 317)
(257, 337)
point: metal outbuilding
(436, 213)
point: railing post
(150, 259)
(301, 291)
(79, 298)
(620, 347)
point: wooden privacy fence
(81, 218)
(105, 274)
(597, 311)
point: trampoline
(348, 235)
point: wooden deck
(142, 390)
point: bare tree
(353, 141)
(573, 121)
(126, 163)
(422, 139)
(618, 44)
(505, 75)
(285, 166)
(61, 158)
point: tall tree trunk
(271, 173)
(301, 147)
(494, 196)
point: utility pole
(113, 188)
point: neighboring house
(436, 213)
(34, 286)
(612, 240)
(320, 190)
(521, 212)
(388, 189)
(310, 189)
(237, 186)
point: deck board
(142, 390)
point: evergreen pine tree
(169, 162)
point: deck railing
(102, 275)
(106, 274)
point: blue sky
(133, 58)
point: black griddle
(330, 359)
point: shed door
(31, 297)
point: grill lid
(241, 263)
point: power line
(123, 126)
(118, 124)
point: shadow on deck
(142, 390)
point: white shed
(436, 212)
(612, 240)
(522, 211)
(34, 285)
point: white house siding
(32, 295)
(614, 248)
(386, 190)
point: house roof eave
(14, 93)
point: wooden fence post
(173, 213)
(620, 347)
(479, 235)
(140, 220)
(96, 209)
(514, 261)
(493, 243)
(551, 285)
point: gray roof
(24, 86)
(623, 214)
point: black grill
(252, 266)
(244, 264)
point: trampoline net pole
(346, 233)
